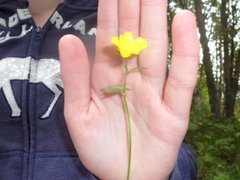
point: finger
(154, 29)
(105, 52)
(107, 28)
(129, 21)
(75, 74)
(129, 16)
(183, 74)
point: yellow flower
(128, 45)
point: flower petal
(115, 41)
(128, 45)
(125, 53)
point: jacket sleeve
(186, 166)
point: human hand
(159, 105)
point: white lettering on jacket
(13, 20)
(46, 71)
(23, 14)
(58, 21)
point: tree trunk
(212, 91)
(230, 92)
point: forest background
(214, 130)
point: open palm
(159, 105)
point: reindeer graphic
(6, 36)
(46, 71)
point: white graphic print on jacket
(6, 36)
(46, 71)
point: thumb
(75, 73)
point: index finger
(107, 26)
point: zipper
(36, 38)
(38, 29)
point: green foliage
(216, 142)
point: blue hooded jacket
(34, 140)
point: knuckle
(186, 83)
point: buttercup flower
(128, 45)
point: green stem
(126, 109)
(128, 117)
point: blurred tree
(212, 90)
(230, 53)
(219, 28)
